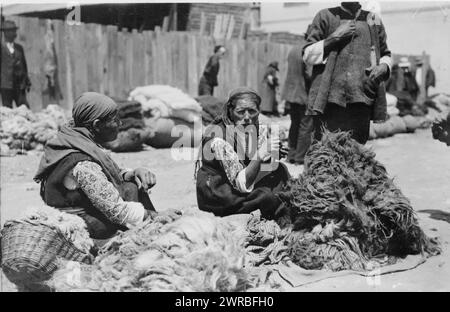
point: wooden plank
(192, 70)
(120, 59)
(148, 57)
(92, 51)
(156, 56)
(138, 70)
(165, 25)
(31, 38)
(203, 21)
(217, 25)
(230, 28)
(128, 63)
(183, 62)
(112, 60)
(61, 51)
(103, 58)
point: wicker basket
(30, 252)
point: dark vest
(352, 60)
(55, 194)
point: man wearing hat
(268, 90)
(430, 77)
(14, 80)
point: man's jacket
(14, 72)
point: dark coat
(296, 83)
(14, 72)
(326, 76)
(212, 70)
(268, 95)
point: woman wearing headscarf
(233, 175)
(77, 176)
(269, 86)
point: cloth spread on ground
(346, 212)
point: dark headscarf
(77, 137)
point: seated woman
(233, 178)
(78, 177)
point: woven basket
(30, 252)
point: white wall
(412, 27)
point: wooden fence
(91, 57)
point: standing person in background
(295, 93)
(209, 78)
(430, 77)
(268, 92)
(347, 47)
(14, 80)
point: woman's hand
(144, 178)
(270, 146)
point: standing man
(295, 93)
(269, 105)
(209, 78)
(14, 80)
(430, 77)
(347, 47)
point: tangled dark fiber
(345, 186)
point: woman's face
(107, 130)
(245, 113)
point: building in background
(412, 27)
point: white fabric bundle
(166, 101)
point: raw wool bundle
(392, 109)
(349, 194)
(21, 129)
(319, 249)
(166, 101)
(71, 226)
(398, 125)
(266, 242)
(412, 123)
(194, 252)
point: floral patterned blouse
(89, 177)
(235, 171)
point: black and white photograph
(207, 148)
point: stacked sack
(132, 131)
(436, 108)
(172, 115)
(22, 130)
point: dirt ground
(419, 165)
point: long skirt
(216, 194)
